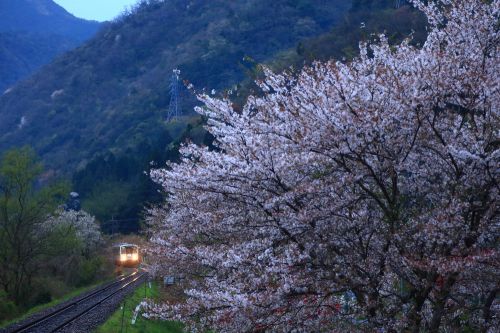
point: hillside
(33, 33)
(22, 53)
(363, 22)
(43, 16)
(112, 92)
(101, 109)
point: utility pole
(174, 108)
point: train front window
(129, 253)
(128, 250)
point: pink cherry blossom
(356, 196)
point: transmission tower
(174, 108)
(398, 3)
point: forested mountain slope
(43, 16)
(365, 20)
(101, 109)
(112, 92)
(113, 184)
(33, 33)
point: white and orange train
(127, 255)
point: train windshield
(129, 250)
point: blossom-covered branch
(349, 197)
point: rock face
(33, 33)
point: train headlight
(123, 257)
(135, 256)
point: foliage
(106, 119)
(356, 196)
(112, 92)
(113, 185)
(44, 251)
(57, 299)
(22, 53)
(32, 34)
(363, 22)
(43, 15)
(7, 308)
(113, 324)
(89, 270)
(81, 224)
(73, 242)
(23, 210)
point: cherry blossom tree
(82, 224)
(349, 197)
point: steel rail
(80, 314)
(50, 315)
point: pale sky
(99, 10)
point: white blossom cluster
(350, 197)
(81, 223)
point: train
(127, 255)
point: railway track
(61, 318)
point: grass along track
(142, 325)
(58, 318)
(54, 303)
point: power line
(114, 226)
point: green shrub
(8, 309)
(88, 270)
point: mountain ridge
(33, 33)
(43, 15)
(124, 94)
(116, 85)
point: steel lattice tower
(174, 108)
